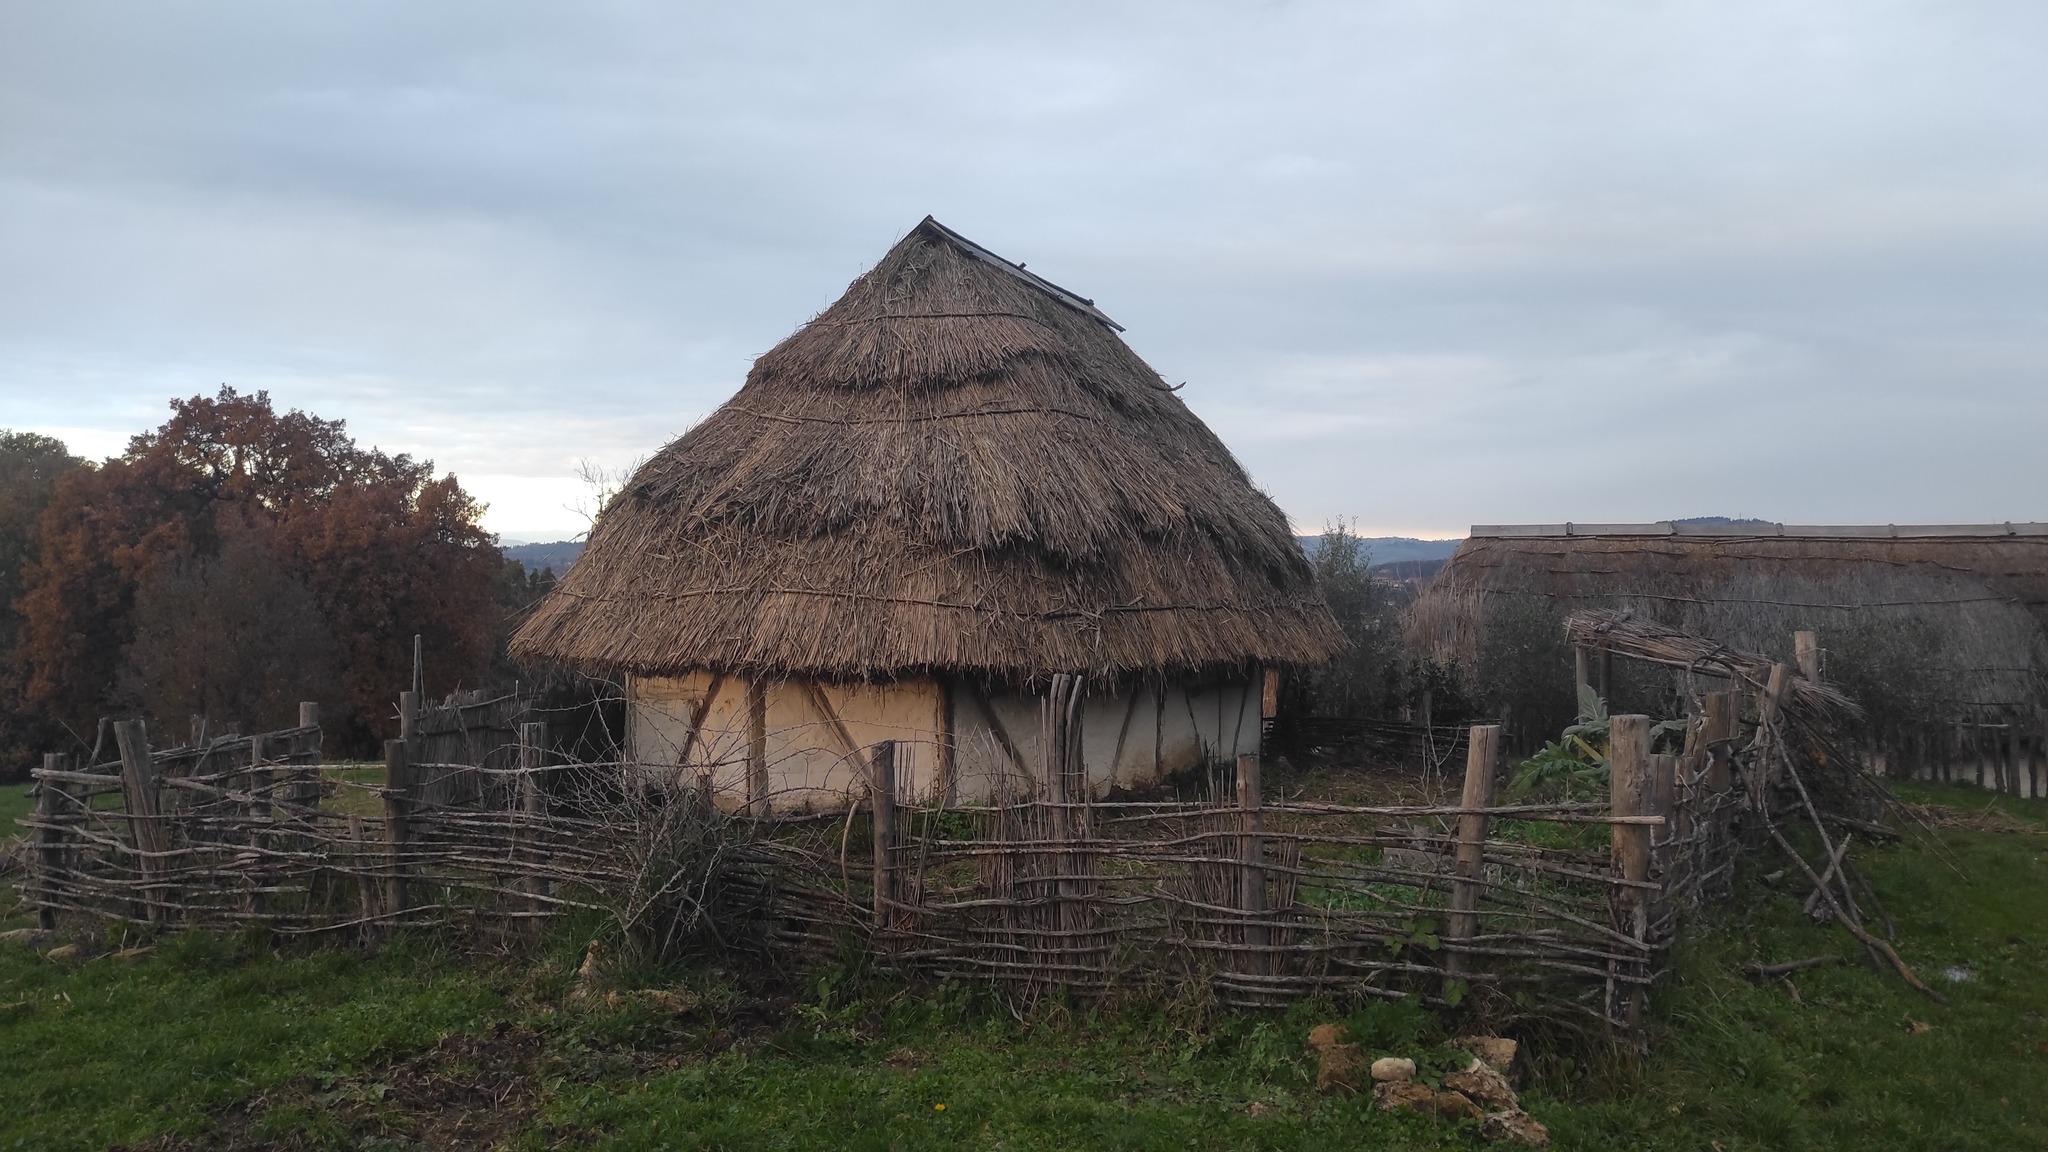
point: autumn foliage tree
(30, 466)
(374, 544)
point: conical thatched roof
(958, 465)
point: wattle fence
(1255, 897)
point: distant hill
(1385, 550)
(558, 555)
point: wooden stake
(308, 793)
(533, 801)
(1482, 755)
(49, 855)
(145, 824)
(1660, 799)
(1629, 792)
(1251, 853)
(398, 785)
(1806, 653)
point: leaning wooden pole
(1482, 754)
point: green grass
(14, 804)
(211, 1036)
(115, 1050)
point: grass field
(212, 1041)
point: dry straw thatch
(956, 466)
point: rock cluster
(1481, 1091)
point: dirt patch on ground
(467, 1092)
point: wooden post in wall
(398, 788)
(145, 819)
(1251, 854)
(882, 798)
(757, 747)
(1582, 672)
(1629, 794)
(946, 788)
(1482, 755)
(1806, 653)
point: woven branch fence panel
(1042, 889)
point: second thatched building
(952, 484)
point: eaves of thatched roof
(958, 465)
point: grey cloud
(1422, 263)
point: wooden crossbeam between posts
(1482, 755)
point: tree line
(231, 562)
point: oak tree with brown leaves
(381, 547)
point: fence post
(882, 796)
(1766, 770)
(1662, 801)
(307, 794)
(139, 795)
(360, 862)
(261, 783)
(49, 857)
(1482, 753)
(1251, 852)
(1806, 653)
(397, 805)
(533, 801)
(1629, 793)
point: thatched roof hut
(1923, 624)
(957, 471)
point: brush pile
(1788, 760)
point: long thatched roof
(1978, 594)
(960, 466)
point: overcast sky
(1422, 264)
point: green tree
(1365, 679)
